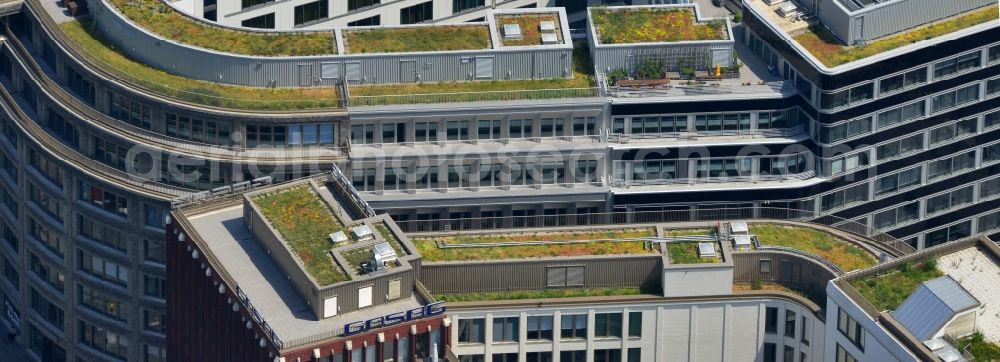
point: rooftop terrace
(972, 263)
(579, 86)
(814, 37)
(305, 222)
(161, 18)
(831, 51)
(416, 39)
(535, 244)
(620, 25)
(248, 262)
(529, 25)
(840, 252)
(114, 60)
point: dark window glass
(417, 13)
(358, 4)
(372, 21)
(310, 12)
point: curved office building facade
(903, 142)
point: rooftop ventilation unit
(787, 10)
(547, 26)
(549, 39)
(511, 31)
(739, 227)
(338, 237)
(362, 232)
(706, 250)
(382, 255)
(742, 242)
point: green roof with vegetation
(160, 18)
(581, 85)
(585, 243)
(832, 52)
(416, 39)
(652, 25)
(305, 223)
(845, 255)
(687, 253)
(980, 348)
(190, 90)
(529, 24)
(539, 294)
(888, 291)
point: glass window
(573, 326)
(471, 330)
(850, 328)
(505, 329)
(771, 320)
(104, 340)
(417, 13)
(904, 80)
(608, 325)
(311, 12)
(635, 324)
(540, 328)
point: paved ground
(711, 11)
(978, 273)
(56, 10)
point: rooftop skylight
(654, 25)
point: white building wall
(879, 345)
(711, 331)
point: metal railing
(652, 217)
(617, 182)
(97, 65)
(63, 152)
(767, 133)
(463, 97)
(693, 88)
(344, 183)
(147, 137)
(597, 138)
(485, 188)
(809, 255)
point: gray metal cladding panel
(631, 271)
(347, 295)
(255, 71)
(809, 276)
(896, 17)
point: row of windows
(906, 113)
(484, 129)
(104, 234)
(102, 302)
(496, 174)
(728, 122)
(288, 136)
(103, 340)
(599, 355)
(572, 326)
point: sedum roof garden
(417, 39)
(630, 25)
(162, 19)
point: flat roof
(654, 24)
(978, 272)
(227, 237)
(805, 32)
(417, 38)
(532, 26)
(536, 244)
